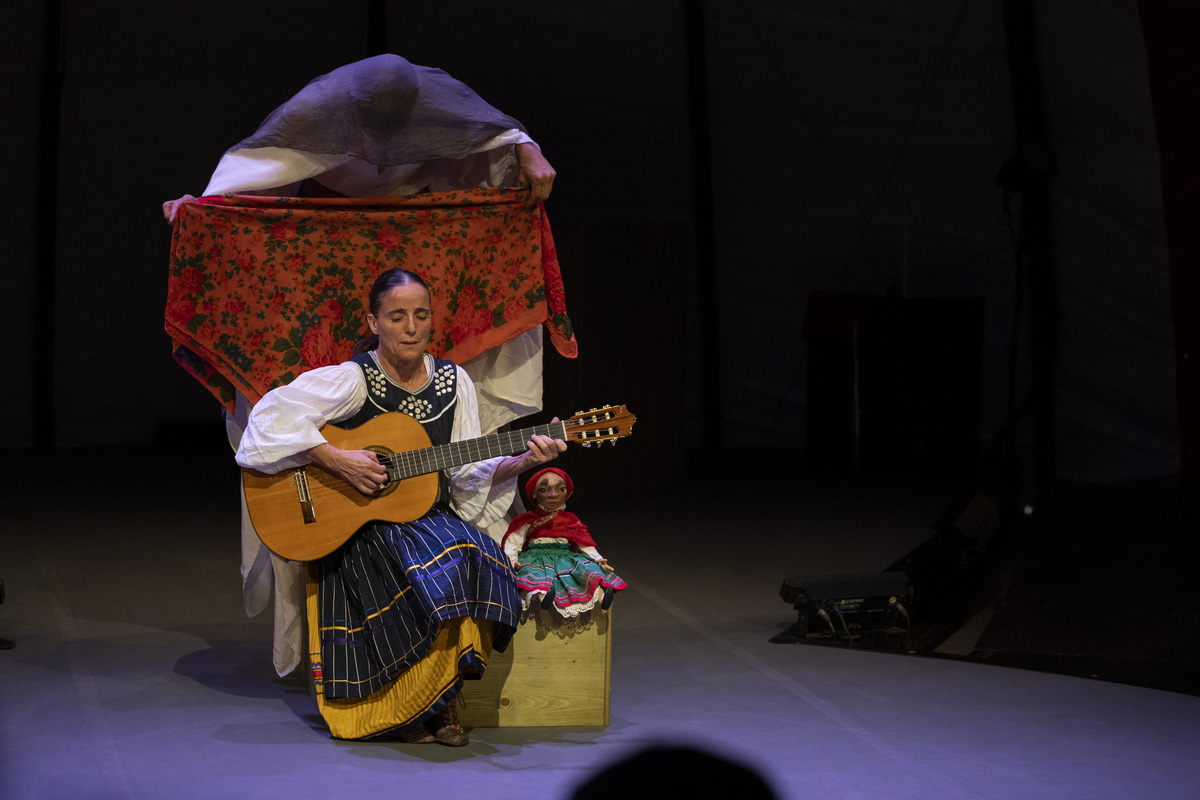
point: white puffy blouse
(287, 421)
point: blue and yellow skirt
(398, 615)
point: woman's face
(551, 492)
(404, 323)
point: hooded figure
(381, 127)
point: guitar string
(417, 462)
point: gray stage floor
(137, 675)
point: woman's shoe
(446, 728)
(415, 734)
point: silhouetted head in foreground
(664, 772)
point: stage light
(842, 608)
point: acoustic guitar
(305, 513)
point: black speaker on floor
(847, 608)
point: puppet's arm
(594, 555)
(514, 541)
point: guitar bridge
(302, 493)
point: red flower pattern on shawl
(252, 277)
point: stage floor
(136, 673)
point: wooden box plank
(553, 673)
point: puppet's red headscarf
(531, 484)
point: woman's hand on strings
(359, 468)
(541, 450)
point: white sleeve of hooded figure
(508, 379)
(258, 169)
(277, 171)
(287, 420)
(476, 499)
(266, 576)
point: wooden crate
(552, 673)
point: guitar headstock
(600, 425)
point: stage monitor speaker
(845, 607)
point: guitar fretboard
(455, 454)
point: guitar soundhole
(390, 486)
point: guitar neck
(447, 456)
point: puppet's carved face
(552, 492)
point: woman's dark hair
(387, 280)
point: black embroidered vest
(433, 406)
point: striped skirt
(393, 591)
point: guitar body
(297, 530)
(306, 513)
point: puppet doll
(553, 554)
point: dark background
(720, 165)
